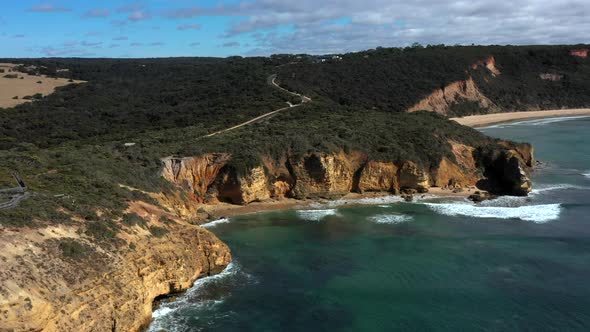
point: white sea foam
(587, 175)
(367, 201)
(161, 312)
(536, 122)
(215, 222)
(505, 201)
(166, 309)
(390, 218)
(316, 215)
(535, 213)
(553, 187)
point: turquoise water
(513, 264)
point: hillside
(17, 87)
(119, 169)
(450, 80)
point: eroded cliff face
(441, 100)
(56, 279)
(331, 175)
(489, 63)
(581, 53)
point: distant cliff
(454, 81)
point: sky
(158, 28)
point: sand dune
(27, 86)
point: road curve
(272, 81)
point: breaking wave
(215, 222)
(535, 213)
(161, 315)
(316, 215)
(390, 218)
(536, 122)
(367, 201)
(554, 187)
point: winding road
(272, 81)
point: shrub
(133, 219)
(102, 230)
(158, 231)
(73, 249)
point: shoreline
(226, 210)
(477, 121)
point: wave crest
(390, 218)
(215, 222)
(162, 315)
(535, 213)
(316, 215)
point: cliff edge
(500, 168)
(57, 278)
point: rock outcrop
(506, 169)
(498, 167)
(57, 279)
(379, 176)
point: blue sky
(158, 28)
(112, 28)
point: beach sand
(490, 119)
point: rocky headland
(209, 179)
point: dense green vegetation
(126, 97)
(70, 147)
(394, 79)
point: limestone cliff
(506, 170)
(57, 279)
(498, 167)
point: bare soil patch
(23, 85)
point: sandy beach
(490, 119)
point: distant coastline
(491, 119)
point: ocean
(438, 264)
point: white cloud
(345, 25)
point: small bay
(511, 264)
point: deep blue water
(513, 264)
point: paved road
(272, 81)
